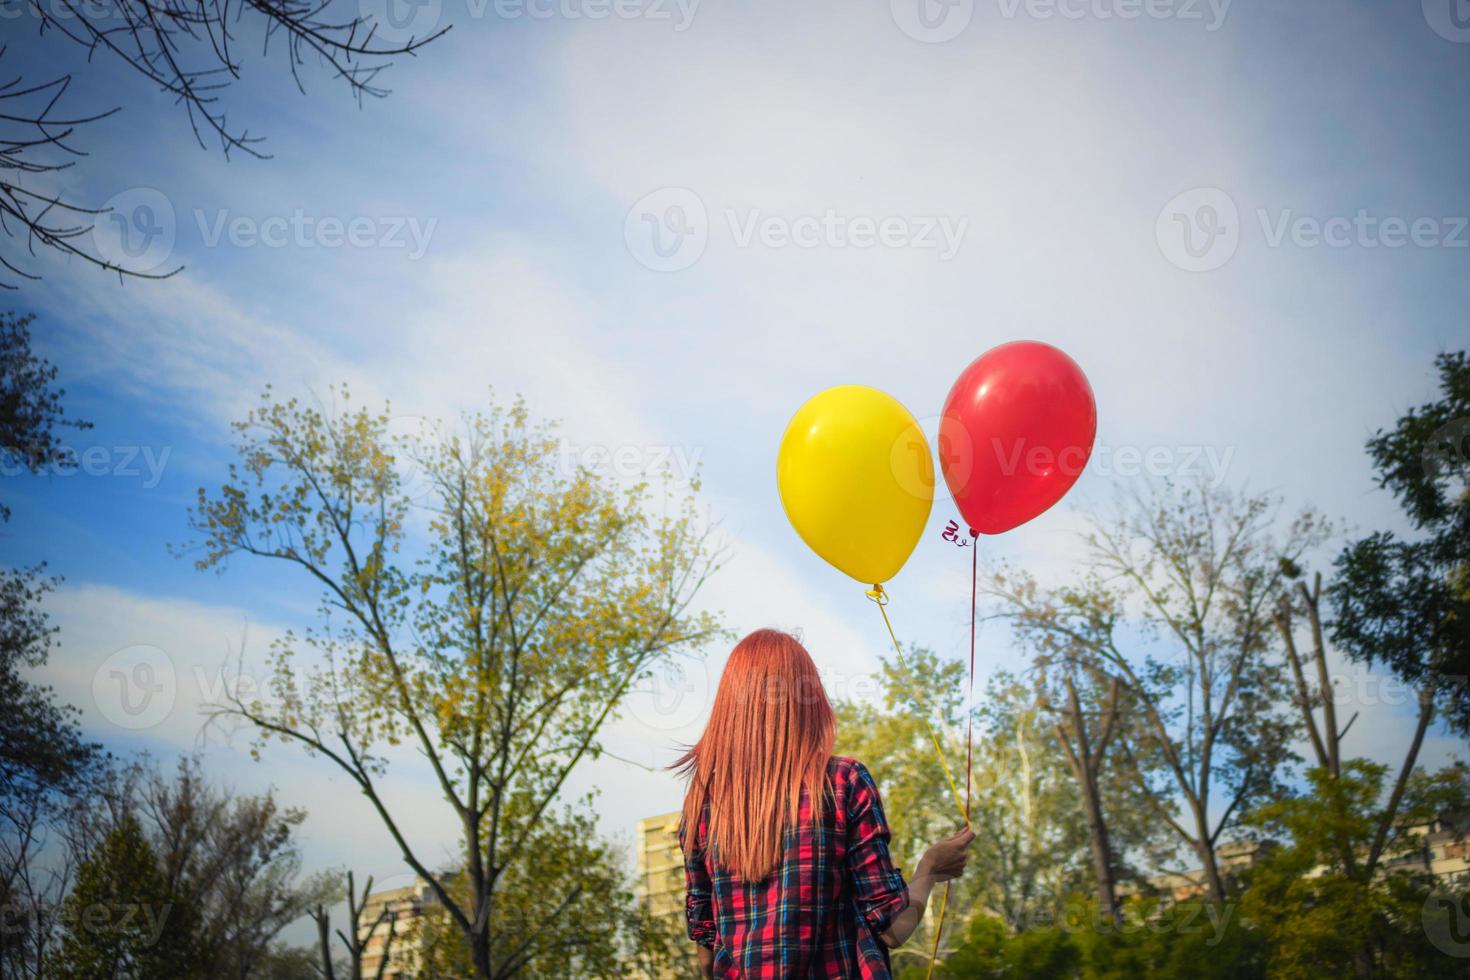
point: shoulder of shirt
(845, 769)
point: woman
(786, 846)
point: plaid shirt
(820, 912)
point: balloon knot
(877, 594)
(974, 533)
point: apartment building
(661, 865)
(1233, 858)
(1442, 849)
(399, 911)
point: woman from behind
(786, 856)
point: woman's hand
(946, 858)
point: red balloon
(1016, 432)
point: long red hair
(769, 736)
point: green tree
(43, 756)
(1029, 833)
(1091, 709)
(31, 408)
(990, 950)
(496, 633)
(1176, 601)
(1319, 913)
(121, 921)
(40, 744)
(1028, 830)
(892, 737)
(233, 860)
(659, 945)
(921, 699)
(1192, 940)
(1326, 736)
(1405, 603)
(568, 914)
(359, 931)
(229, 864)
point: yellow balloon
(857, 480)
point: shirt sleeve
(698, 899)
(877, 885)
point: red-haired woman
(785, 845)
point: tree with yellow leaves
(494, 623)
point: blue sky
(1068, 150)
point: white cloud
(143, 669)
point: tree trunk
(480, 941)
(1102, 848)
(1085, 759)
(1214, 880)
(324, 938)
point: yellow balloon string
(880, 597)
(938, 928)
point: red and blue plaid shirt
(819, 914)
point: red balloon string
(970, 701)
(969, 738)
